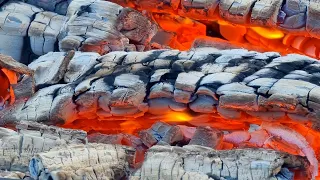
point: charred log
(300, 17)
(20, 146)
(164, 162)
(233, 84)
(93, 161)
(98, 26)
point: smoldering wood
(299, 17)
(44, 31)
(207, 136)
(11, 64)
(16, 18)
(20, 146)
(55, 68)
(97, 161)
(98, 26)
(231, 84)
(190, 162)
(120, 139)
(25, 87)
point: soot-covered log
(98, 26)
(230, 84)
(290, 15)
(195, 162)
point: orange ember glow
(238, 137)
(7, 78)
(185, 31)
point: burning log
(10, 72)
(57, 153)
(98, 26)
(230, 84)
(164, 162)
(291, 16)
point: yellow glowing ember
(268, 32)
(178, 117)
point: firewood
(20, 146)
(98, 26)
(299, 17)
(54, 64)
(165, 162)
(207, 136)
(44, 31)
(15, 20)
(93, 161)
(105, 27)
(230, 84)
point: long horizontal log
(194, 162)
(294, 16)
(230, 84)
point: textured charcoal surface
(98, 161)
(232, 84)
(37, 151)
(32, 28)
(196, 162)
(289, 15)
(18, 147)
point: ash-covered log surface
(37, 151)
(18, 147)
(232, 84)
(32, 28)
(196, 162)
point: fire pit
(159, 89)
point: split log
(165, 162)
(20, 146)
(230, 84)
(90, 161)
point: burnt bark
(95, 26)
(196, 162)
(20, 146)
(90, 161)
(229, 84)
(300, 17)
